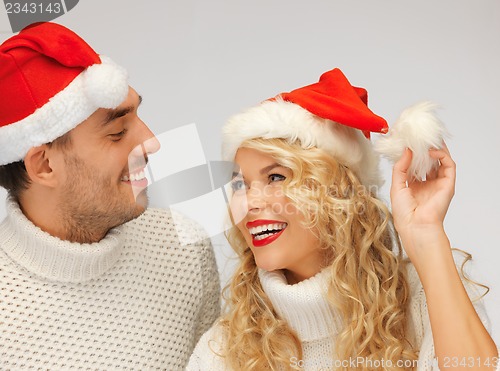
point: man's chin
(141, 203)
(136, 212)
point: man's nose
(150, 144)
(146, 143)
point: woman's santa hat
(50, 81)
(333, 115)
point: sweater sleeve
(206, 354)
(211, 293)
(195, 238)
(420, 324)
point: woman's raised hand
(419, 207)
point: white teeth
(262, 236)
(267, 227)
(140, 176)
(134, 177)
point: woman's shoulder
(207, 355)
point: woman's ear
(38, 166)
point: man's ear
(39, 166)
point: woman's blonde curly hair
(367, 282)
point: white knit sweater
(304, 307)
(136, 300)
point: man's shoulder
(163, 223)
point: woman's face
(271, 224)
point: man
(89, 276)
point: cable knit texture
(306, 310)
(135, 300)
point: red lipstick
(259, 222)
(269, 239)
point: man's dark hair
(13, 176)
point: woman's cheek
(238, 207)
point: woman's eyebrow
(262, 171)
(270, 167)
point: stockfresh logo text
(21, 13)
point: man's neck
(44, 212)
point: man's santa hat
(333, 115)
(50, 81)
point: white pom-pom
(106, 84)
(419, 129)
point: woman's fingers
(445, 148)
(447, 167)
(400, 171)
(433, 173)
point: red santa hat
(50, 81)
(333, 115)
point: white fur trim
(105, 84)
(101, 85)
(419, 129)
(280, 119)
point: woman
(322, 281)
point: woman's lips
(259, 228)
(267, 240)
(259, 222)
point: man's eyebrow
(119, 112)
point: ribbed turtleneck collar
(302, 305)
(52, 258)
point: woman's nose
(256, 197)
(250, 202)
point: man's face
(102, 181)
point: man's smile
(136, 176)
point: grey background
(201, 61)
